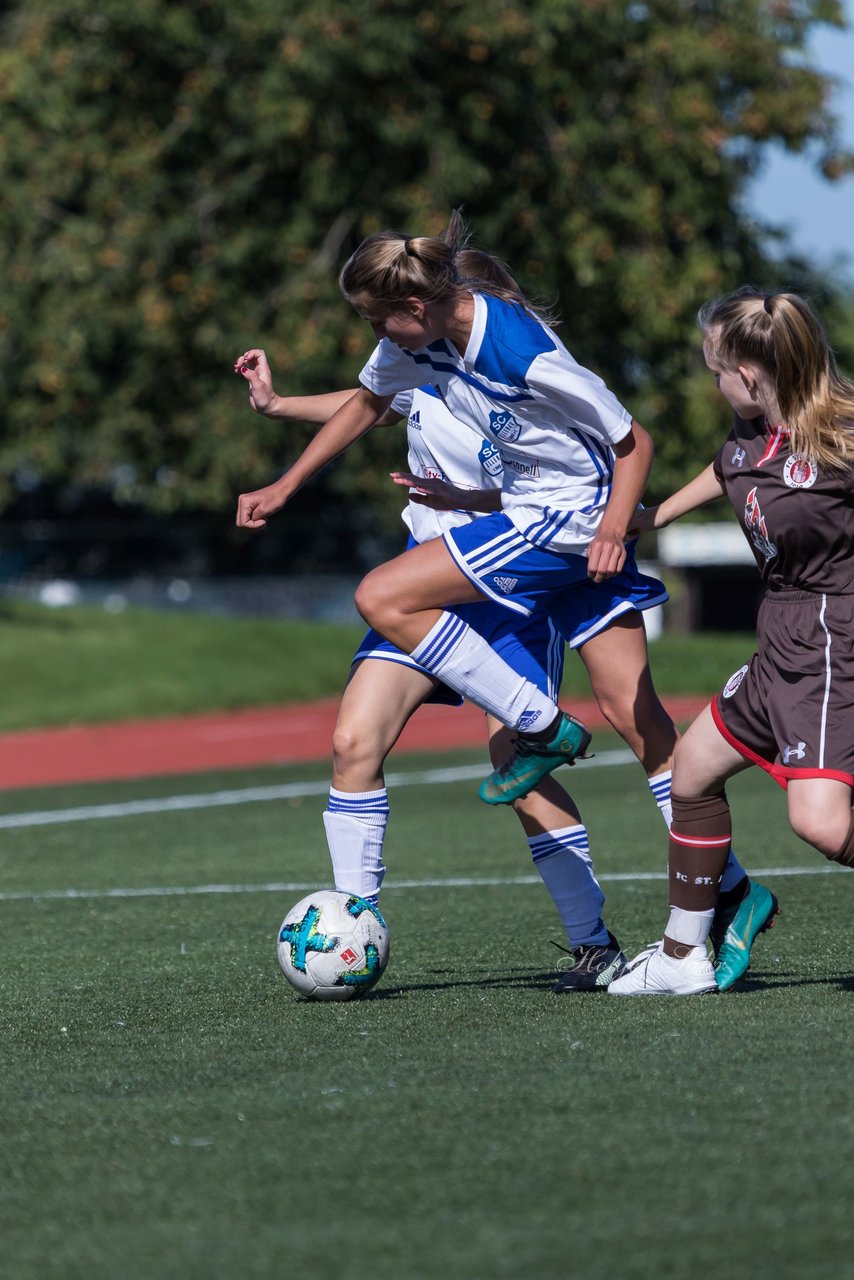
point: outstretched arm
(360, 412)
(705, 487)
(254, 367)
(441, 495)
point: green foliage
(182, 180)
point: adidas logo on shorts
(505, 585)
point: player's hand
(431, 492)
(606, 555)
(254, 509)
(253, 366)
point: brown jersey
(797, 517)
(789, 709)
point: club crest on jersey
(504, 426)
(800, 472)
(489, 456)
(734, 681)
(754, 522)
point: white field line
(252, 795)
(289, 791)
(299, 886)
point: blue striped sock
(467, 662)
(563, 860)
(355, 823)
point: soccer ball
(333, 946)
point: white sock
(691, 928)
(563, 860)
(659, 785)
(461, 658)
(355, 823)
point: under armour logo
(794, 753)
(739, 456)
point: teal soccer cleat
(734, 930)
(532, 760)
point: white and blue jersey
(440, 446)
(553, 421)
(444, 448)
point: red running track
(229, 740)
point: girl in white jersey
(601, 619)
(575, 464)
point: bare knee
(619, 712)
(829, 834)
(371, 597)
(357, 759)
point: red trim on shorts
(782, 774)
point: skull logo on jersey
(754, 522)
(504, 426)
(800, 472)
(489, 456)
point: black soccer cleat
(596, 964)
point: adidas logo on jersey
(505, 585)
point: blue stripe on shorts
(507, 568)
(532, 646)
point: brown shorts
(791, 708)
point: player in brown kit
(788, 469)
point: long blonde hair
(779, 333)
(390, 266)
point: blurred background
(182, 181)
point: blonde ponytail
(782, 336)
(391, 266)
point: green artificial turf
(172, 1110)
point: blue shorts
(532, 646)
(508, 569)
(583, 611)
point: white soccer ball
(333, 946)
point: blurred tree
(182, 180)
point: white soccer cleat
(652, 973)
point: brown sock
(699, 846)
